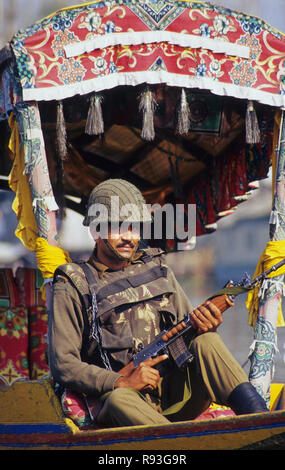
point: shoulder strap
(96, 332)
(90, 276)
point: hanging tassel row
(251, 125)
(61, 132)
(147, 107)
(94, 123)
(183, 122)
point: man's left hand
(206, 317)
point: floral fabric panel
(38, 325)
(181, 43)
(29, 282)
(13, 332)
(23, 327)
(13, 345)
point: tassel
(251, 125)
(94, 123)
(183, 123)
(61, 132)
(147, 106)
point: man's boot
(244, 399)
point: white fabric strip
(49, 201)
(149, 37)
(106, 82)
(35, 133)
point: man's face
(124, 241)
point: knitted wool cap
(116, 195)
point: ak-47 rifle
(172, 343)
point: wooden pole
(265, 335)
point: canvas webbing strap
(96, 329)
(231, 290)
(186, 396)
(131, 281)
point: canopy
(138, 66)
(101, 45)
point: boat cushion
(23, 326)
(13, 331)
(13, 344)
(29, 282)
(75, 407)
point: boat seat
(23, 330)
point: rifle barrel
(269, 271)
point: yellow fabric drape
(275, 250)
(273, 253)
(49, 257)
(26, 230)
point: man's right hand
(143, 376)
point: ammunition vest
(134, 304)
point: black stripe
(131, 281)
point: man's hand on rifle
(206, 317)
(143, 376)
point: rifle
(172, 341)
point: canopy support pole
(264, 346)
(36, 169)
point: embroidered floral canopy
(172, 86)
(104, 44)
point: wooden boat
(31, 418)
(226, 67)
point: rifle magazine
(180, 353)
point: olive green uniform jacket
(134, 304)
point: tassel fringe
(251, 125)
(183, 123)
(61, 132)
(94, 123)
(147, 106)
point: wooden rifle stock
(222, 302)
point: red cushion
(38, 327)
(74, 407)
(216, 411)
(29, 282)
(13, 345)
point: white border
(149, 37)
(106, 82)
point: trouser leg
(220, 371)
(125, 407)
(224, 379)
(214, 374)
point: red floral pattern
(48, 67)
(13, 345)
(38, 326)
(23, 327)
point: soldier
(134, 295)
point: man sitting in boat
(92, 337)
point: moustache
(126, 244)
